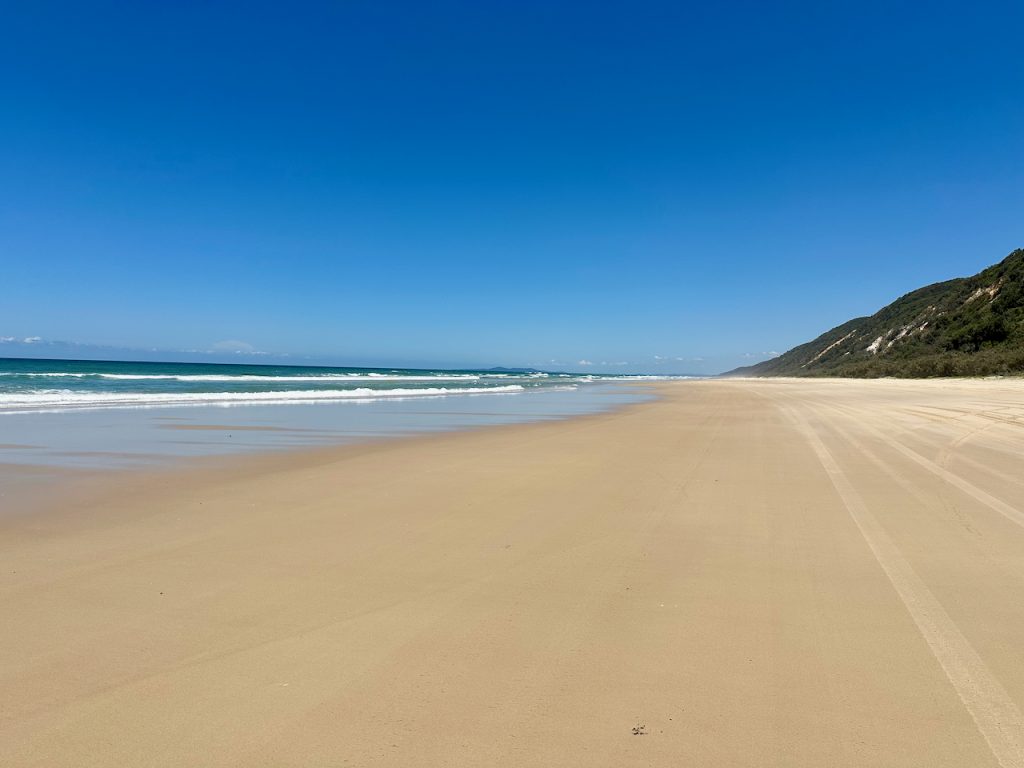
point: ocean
(117, 414)
(59, 385)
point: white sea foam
(63, 399)
(324, 377)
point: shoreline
(88, 485)
(529, 594)
(113, 438)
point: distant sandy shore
(742, 573)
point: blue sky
(672, 186)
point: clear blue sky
(482, 183)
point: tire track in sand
(997, 505)
(994, 713)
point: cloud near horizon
(39, 347)
(233, 345)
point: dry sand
(773, 573)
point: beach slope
(742, 573)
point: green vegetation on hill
(970, 326)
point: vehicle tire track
(994, 713)
(998, 505)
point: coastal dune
(739, 573)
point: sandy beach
(741, 573)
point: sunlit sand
(742, 573)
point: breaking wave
(62, 399)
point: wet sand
(742, 573)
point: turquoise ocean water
(27, 385)
(115, 414)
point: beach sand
(742, 573)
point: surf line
(994, 713)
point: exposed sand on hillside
(744, 573)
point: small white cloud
(659, 359)
(6, 339)
(584, 362)
(233, 345)
(31, 340)
(623, 362)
